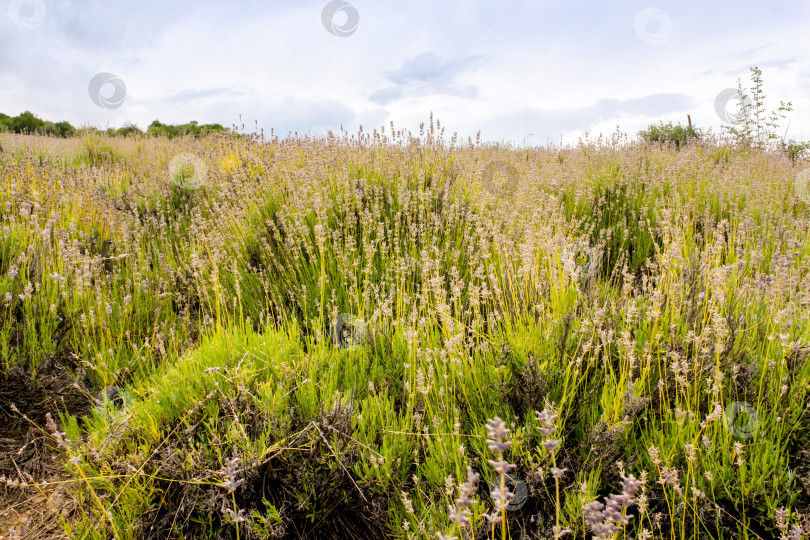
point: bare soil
(35, 489)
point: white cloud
(508, 68)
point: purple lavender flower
(497, 433)
(501, 467)
(551, 444)
(468, 488)
(229, 471)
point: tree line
(27, 122)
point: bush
(796, 150)
(664, 133)
(192, 128)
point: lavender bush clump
(605, 520)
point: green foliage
(667, 132)
(796, 150)
(29, 123)
(126, 130)
(177, 130)
(64, 129)
(5, 122)
(756, 127)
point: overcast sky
(517, 70)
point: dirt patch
(35, 511)
(34, 486)
(336, 507)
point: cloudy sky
(532, 71)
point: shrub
(667, 132)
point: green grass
(637, 291)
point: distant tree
(27, 123)
(58, 129)
(796, 150)
(664, 133)
(87, 130)
(157, 128)
(211, 128)
(64, 129)
(175, 130)
(128, 129)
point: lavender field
(408, 335)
